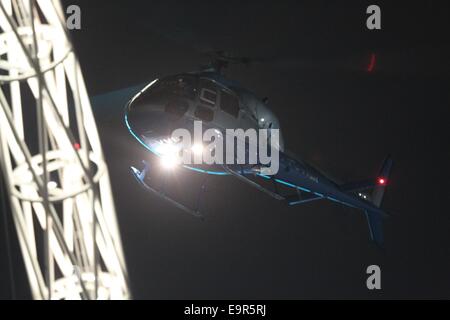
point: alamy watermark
(73, 21)
(374, 280)
(211, 146)
(373, 22)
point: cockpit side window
(204, 113)
(229, 103)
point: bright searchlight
(169, 153)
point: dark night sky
(332, 112)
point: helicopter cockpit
(176, 101)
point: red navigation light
(373, 60)
(77, 146)
(381, 181)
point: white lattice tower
(52, 160)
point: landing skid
(140, 176)
(241, 176)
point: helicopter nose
(150, 120)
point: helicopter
(221, 104)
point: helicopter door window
(208, 96)
(208, 92)
(204, 113)
(229, 104)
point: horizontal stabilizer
(378, 184)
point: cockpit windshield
(177, 86)
(161, 104)
(170, 95)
